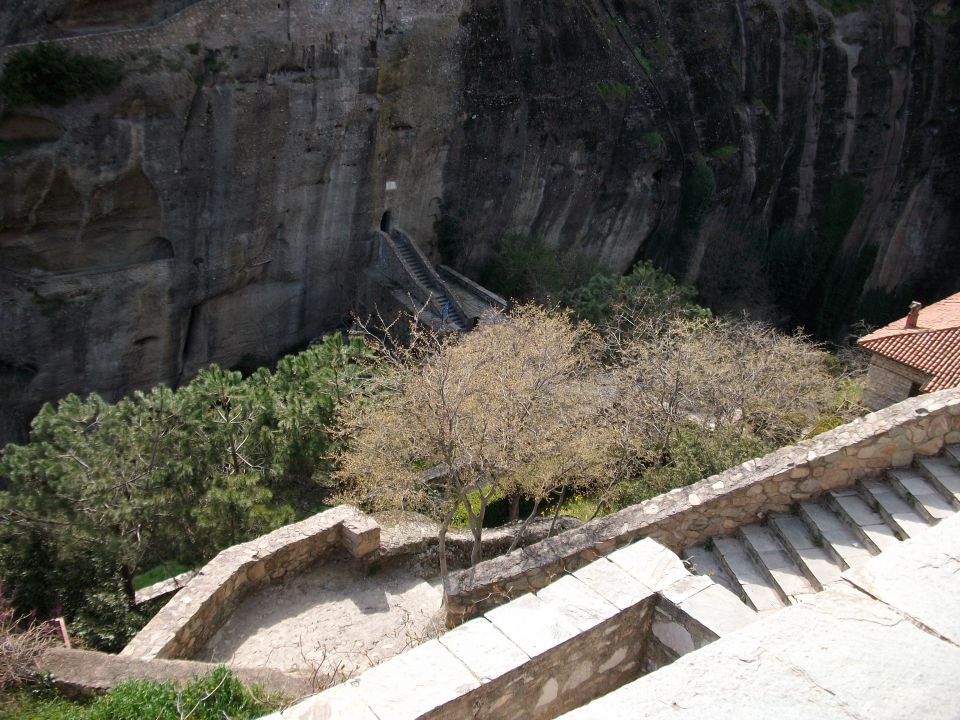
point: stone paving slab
(614, 583)
(577, 602)
(486, 651)
(342, 702)
(532, 624)
(920, 579)
(651, 563)
(718, 610)
(419, 680)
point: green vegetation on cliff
(47, 74)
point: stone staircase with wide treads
(779, 562)
(429, 280)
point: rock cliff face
(781, 154)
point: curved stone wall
(199, 609)
(720, 504)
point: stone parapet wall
(83, 673)
(720, 504)
(545, 653)
(200, 609)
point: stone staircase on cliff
(418, 269)
(790, 556)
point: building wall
(889, 382)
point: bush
(524, 267)
(699, 195)
(696, 453)
(645, 288)
(22, 641)
(50, 75)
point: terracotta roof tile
(933, 347)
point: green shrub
(644, 62)
(48, 74)
(699, 194)
(652, 139)
(643, 287)
(613, 90)
(523, 266)
(724, 152)
(697, 453)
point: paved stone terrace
(329, 622)
(884, 644)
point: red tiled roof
(933, 347)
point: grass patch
(163, 571)
(581, 507)
(724, 152)
(644, 62)
(613, 90)
(652, 139)
(216, 695)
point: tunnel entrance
(386, 222)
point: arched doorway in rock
(386, 222)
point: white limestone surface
(931, 561)
(486, 651)
(841, 654)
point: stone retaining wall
(197, 612)
(545, 653)
(82, 674)
(720, 504)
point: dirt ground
(334, 620)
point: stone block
(342, 702)
(682, 589)
(578, 603)
(652, 564)
(414, 683)
(486, 651)
(718, 610)
(361, 536)
(613, 583)
(673, 636)
(901, 458)
(533, 625)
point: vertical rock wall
(215, 207)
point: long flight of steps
(778, 562)
(415, 263)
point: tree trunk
(442, 538)
(523, 528)
(514, 507)
(444, 572)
